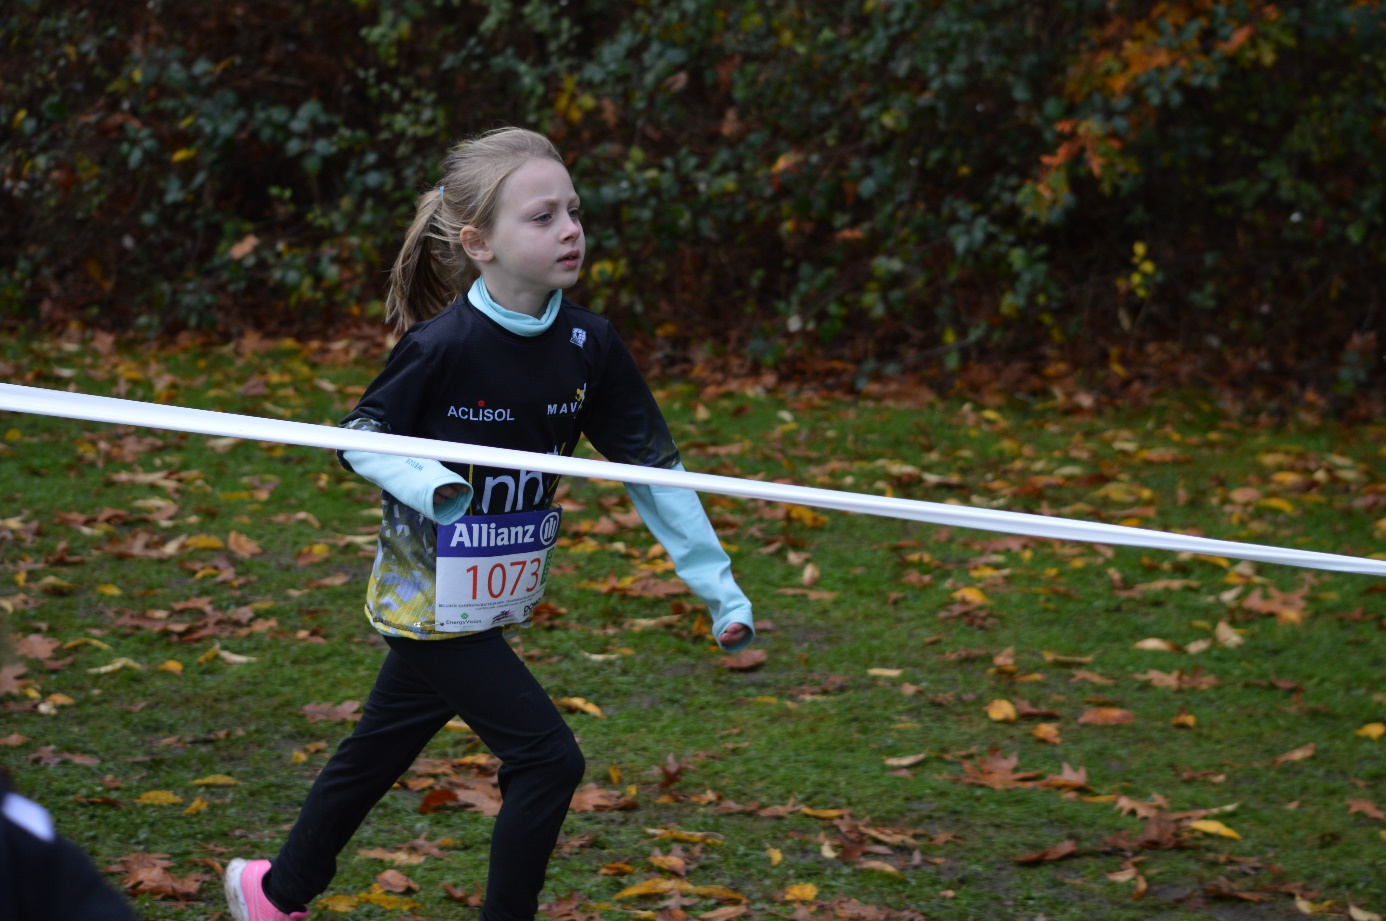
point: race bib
(492, 569)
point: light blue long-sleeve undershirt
(675, 517)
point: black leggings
(423, 684)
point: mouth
(570, 259)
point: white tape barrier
(201, 421)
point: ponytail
(421, 283)
(432, 268)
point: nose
(572, 228)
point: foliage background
(1096, 184)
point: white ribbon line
(205, 422)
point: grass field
(948, 724)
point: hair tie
(440, 189)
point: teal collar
(521, 324)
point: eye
(543, 217)
(575, 214)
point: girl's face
(536, 243)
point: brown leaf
(747, 660)
(1367, 808)
(1302, 753)
(1105, 716)
(9, 679)
(591, 798)
(37, 646)
(346, 711)
(473, 899)
(1069, 779)
(395, 881)
(242, 546)
(1050, 854)
(996, 772)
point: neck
(530, 303)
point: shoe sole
(235, 893)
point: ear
(475, 244)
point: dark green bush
(889, 177)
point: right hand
(445, 492)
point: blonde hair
(432, 268)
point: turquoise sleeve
(677, 520)
(413, 480)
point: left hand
(732, 635)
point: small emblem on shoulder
(579, 337)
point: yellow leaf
(1361, 914)
(1185, 721)
(85, 641)
(823, 813)
(776, 855)
(1047, 732)
(654, 887)
(717, 892)
(1371, 731)
(580, 705)
(215, 780)
(614, 773)
(806, 516)
(172, 665)
(158, 798)
(108, 589)
(207, 656)
(204, 542)
(297, 757)
(970, 594)
(885, 672)
(338, 903)
(195, 806)
(1214, 827)
(116, 666)
(1002, 711)
(689, 837)
(669, 864)
(183, 153)
(878, 865)
(1280, 505)
(60, 700)
(801, 892)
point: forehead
(539, 179)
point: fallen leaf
(196, 806)
(1299, 754)
(1371, 731)
(1155, 644)
(660, 886)
(242, 546)
(1047, 732)
(906, 760)
(395, 881)
(1367, 808)
(1050, 854)
(580, 705)
(1105, 716)
(1214, 827)
(1002, 711)
(1227, 636)
(347, 711)
(801, 892)
(158, 798)
(748, 660)
(215, 780)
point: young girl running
(509, 364)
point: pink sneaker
(245, 894)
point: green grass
(812, 726)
